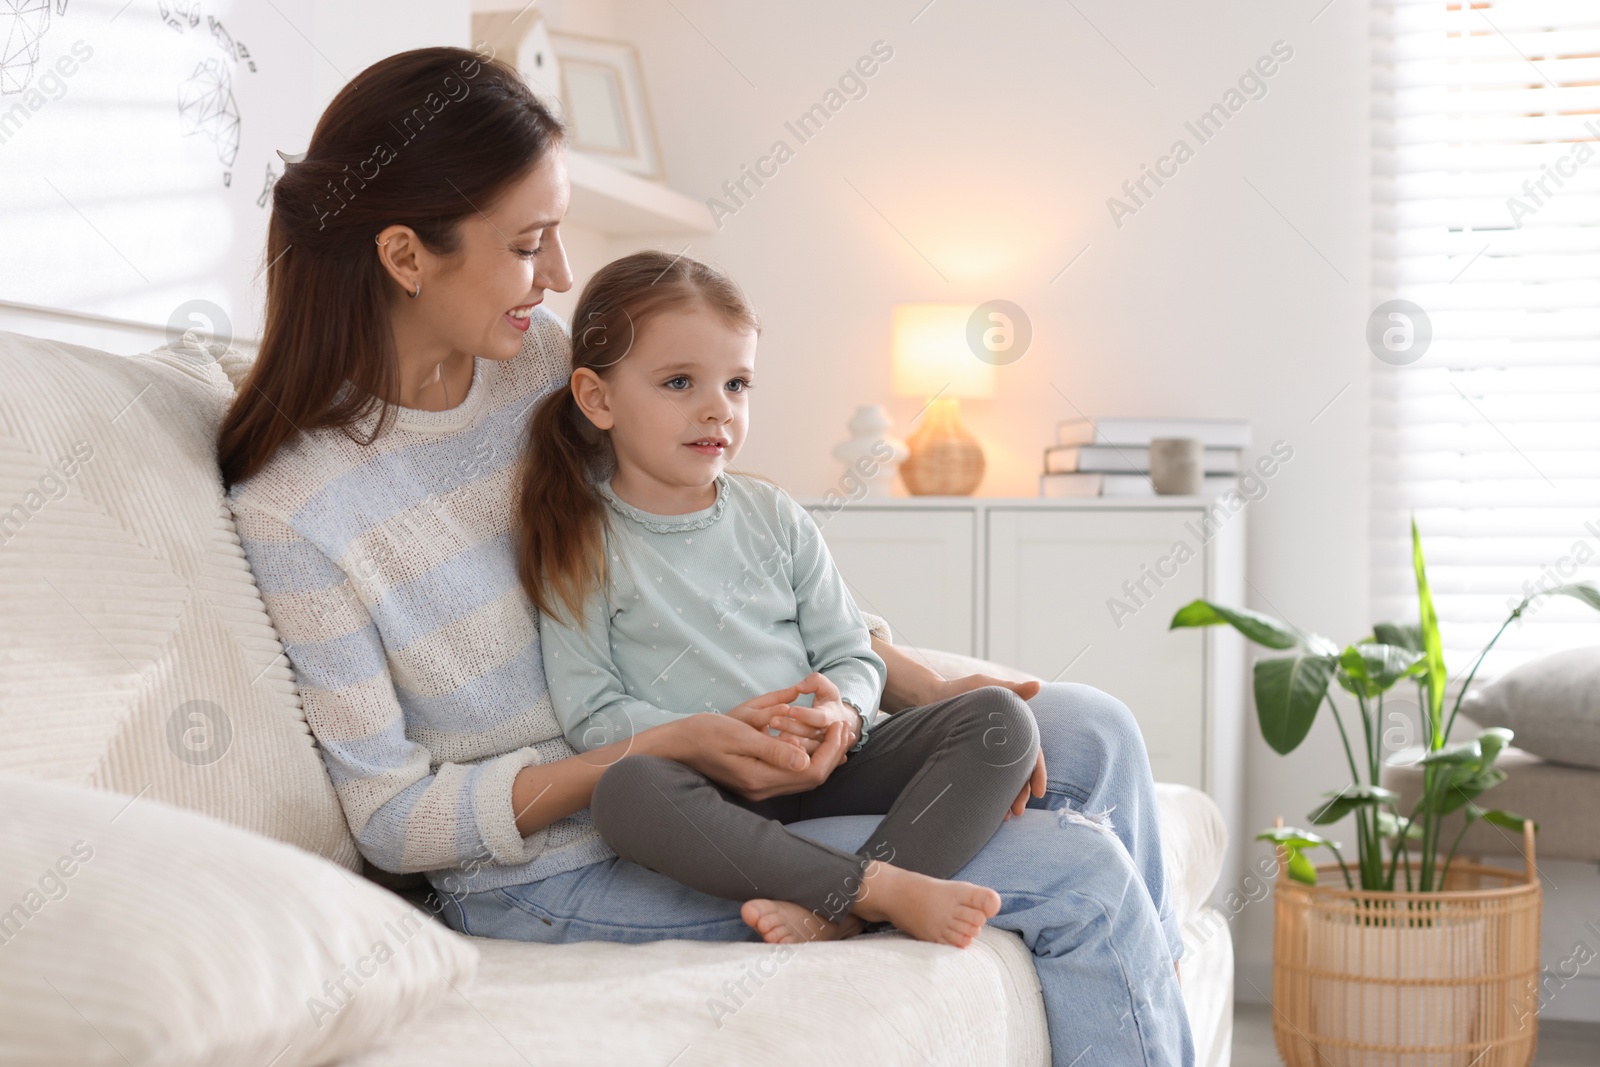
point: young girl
(667, 585)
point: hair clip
(291, 157)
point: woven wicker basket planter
(1374, 979)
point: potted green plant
(1411, 957)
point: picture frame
(605, 104)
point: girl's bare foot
(780, 922)
(929, 909)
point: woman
(369, 457)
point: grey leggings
(943, 775)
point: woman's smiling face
(477, 301)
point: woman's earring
(385, 241)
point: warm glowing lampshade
(933, 360)
(931, 354)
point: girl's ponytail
(561, 554)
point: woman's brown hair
(421, 139)
(561, 549)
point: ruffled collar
(693, 520)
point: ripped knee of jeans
(1098, 820)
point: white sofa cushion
(1194, 841)
(135, 652)
(137, 932)
(874, 999)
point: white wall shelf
(616, 203)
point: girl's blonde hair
(561, 547)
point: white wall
(350, 36)
(990, 142)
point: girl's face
(676, 406)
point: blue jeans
(1079, 875)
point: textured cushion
(135, 652)
(141, 933)
(1561, 799)
(1552, 704)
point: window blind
(1486, 215)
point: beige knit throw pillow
(133, 932)
(135, 652)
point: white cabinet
(1058, 608)
(1072, 591)
(915, 567)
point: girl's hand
(808, 726)
(759, 711)
(772, 711)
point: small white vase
(871, 459)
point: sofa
(182, 887)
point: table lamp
(932, 359)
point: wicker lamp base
(945, 459)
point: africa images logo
(1399, 332)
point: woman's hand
(949, 687)
(1035, 786)
(735, 755)
(912, 683)
(749, 761)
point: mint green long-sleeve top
(704, 610)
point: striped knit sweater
(389, 571)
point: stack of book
(1111, 457)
